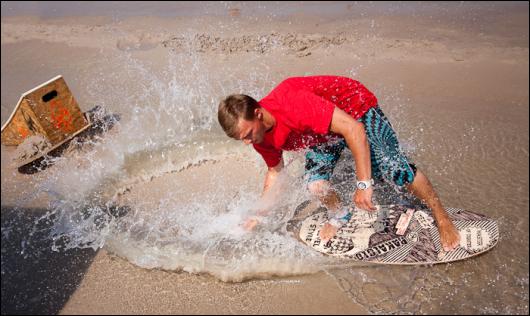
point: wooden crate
(49, 110)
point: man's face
(251, 132)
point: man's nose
(247, 141)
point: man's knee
(319, 187)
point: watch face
(361, 185)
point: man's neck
(268, 120)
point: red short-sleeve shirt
(303, 108)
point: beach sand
(109, 278)
(453, 80)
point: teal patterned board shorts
(388, 161)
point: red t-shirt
(303, 108)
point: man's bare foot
(449, 235)
(327, 232)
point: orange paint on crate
(61, 117)
(23, 132)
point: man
(324, 114)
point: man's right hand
(250, 223)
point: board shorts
(389, 163)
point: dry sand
(439, 62)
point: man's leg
(327, 196)
(331, 200)
(422, 188)
(320, 162)
(391, 164)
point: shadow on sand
(36, 279)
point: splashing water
(166, 189)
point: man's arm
(270, 180)
(355, 136)
(270, 177)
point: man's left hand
(363, 199)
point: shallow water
(165, 189)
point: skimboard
(403, 235)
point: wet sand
(454, 82)
(103, 289)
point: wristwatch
(363, 185)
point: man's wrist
(363, 185)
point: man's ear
(258, 114)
